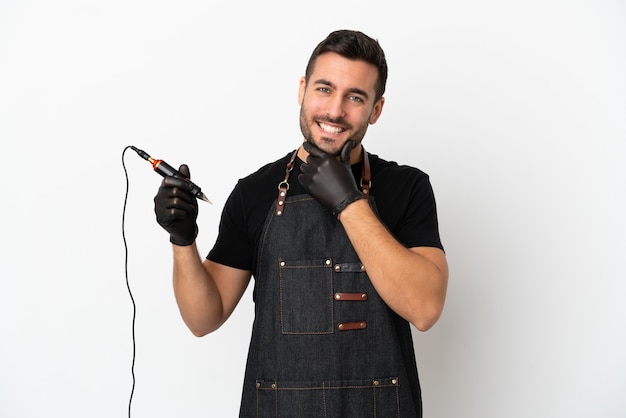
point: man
(344, 249)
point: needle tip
(203, 197)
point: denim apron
(323, 343)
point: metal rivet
(280, 203)
(362, 324)
(280, 212)
(273, 385)
(337, 267)
(258, 385)
(362, 268)
(328, 262)
(282, 263)
(375, 382)
(282, 194)
(340, 326)
(364, 296)
(337, 296)
(394, 381)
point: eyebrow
(352, 90)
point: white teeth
(330, 129)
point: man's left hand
(329, 180)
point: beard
(323, 142)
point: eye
(323, 89)
(357, 99)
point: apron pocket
(375, 398)
(306, 296)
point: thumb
(184, 170)
(346, 150)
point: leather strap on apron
(283, 186)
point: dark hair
(353, 45)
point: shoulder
(253, 194)
(267, 176)
(244, 213)
(395, 175)
(405, 201)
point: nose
(335, 107)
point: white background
(515, 109)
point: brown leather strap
(349, 267)
(366, 175)
(283, 186)
(348, 326)
(351, 296)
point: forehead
(344, 73)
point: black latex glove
(176, 209)
(329, 180)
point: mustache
(337, 121)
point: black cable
(132, 368)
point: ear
(378, 109)
(301, 90)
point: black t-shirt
(403, 196)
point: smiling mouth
(329, 129)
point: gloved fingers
(309, 172)
(176, 208)
(346, 151)
(184, 170)
(179, 183)
(307, 169)
(169, 217)
(175, 204)
(313, 150)
(174, 187)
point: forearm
(196, 293)
(412, 282)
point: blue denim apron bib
(323, 343)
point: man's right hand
(176, 209)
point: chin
(329, 146)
